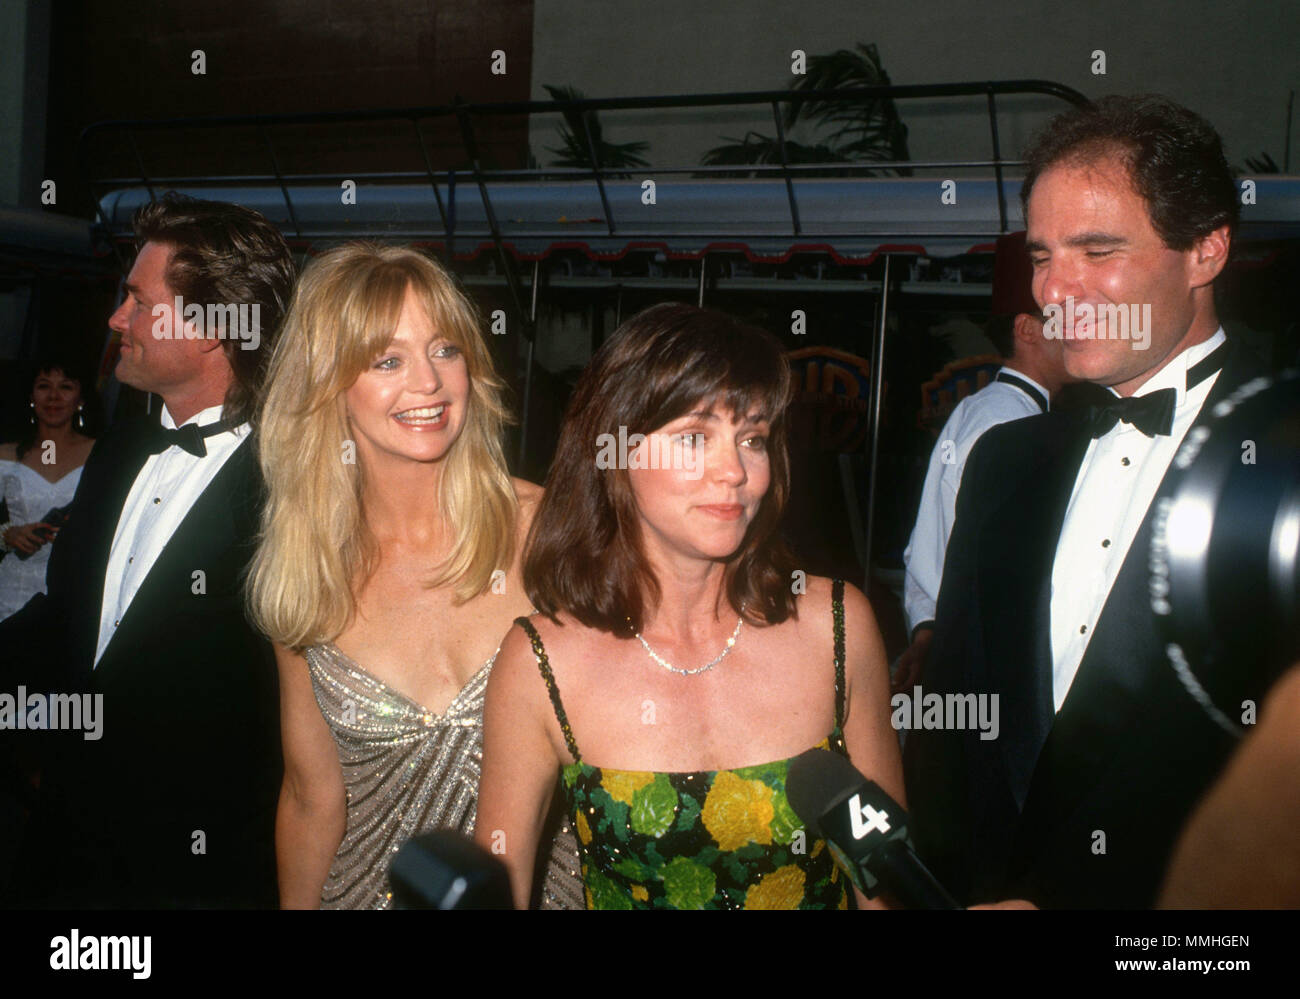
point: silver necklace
(731, 644)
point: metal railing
(466, 114)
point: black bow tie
(189, 438)
(1152, 413)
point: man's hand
(910, 662)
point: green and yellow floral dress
(718, 839)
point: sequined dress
(717, 839)
(407, 771)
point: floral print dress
(719, 839)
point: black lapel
(80, 555)
(1107, 692)
(213, 524)
(1018, 546)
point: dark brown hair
(71, 369)
(225, 254)
(1174, 159)
(1001, 331)
(585, 554)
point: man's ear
(191, 331)
(1208, 256)
(1027, 329)
(208, 343)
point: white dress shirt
(1117, 481)
(997, 402)
(166, 488)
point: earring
(81, 422)
(33, 406)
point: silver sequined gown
(408, 771)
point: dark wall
(132, 59)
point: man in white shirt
(1044, 604)
(1033, 372)
(173, 804)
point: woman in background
(39, 474)
(388, 570)
(679, 660)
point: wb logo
(874, 820)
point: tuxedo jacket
(174, 806)
(1078, 808)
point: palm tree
(578, 125)
(757, 148)
(1264, 163)
(868, 129)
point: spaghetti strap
(544, 665)
(837, 615)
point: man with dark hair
(224, 256)
(171, 801)
(1044, 603)
(1023, 386)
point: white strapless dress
(29, 497)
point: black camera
(1225, 549)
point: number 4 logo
(874, 819)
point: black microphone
(865, 829)
(445, 870)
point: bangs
(452, 315)
(371, 309)
(729, 368)
(53, 371)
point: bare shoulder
(858, 615)
(819, 594)
(556, 636)
(565, 643)
(516, 655)
(861, 635)
(529, 496)
(8, 452)
(517, 677)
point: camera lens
(1225, 550)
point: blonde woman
(388, 568)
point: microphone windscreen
(446, 870)
(817, 781)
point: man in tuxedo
(1032, 372)
(174, 804)
(1044, 602)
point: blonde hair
(316, 549)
